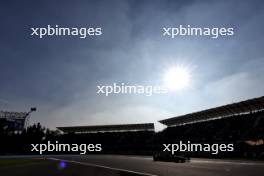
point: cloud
(236, 87)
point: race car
(166, 156)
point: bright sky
(59, 75)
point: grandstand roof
(243, 107)
(13, 115)
(108, 128)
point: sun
(177, 78)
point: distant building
(14, 121)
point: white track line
(101, 166)
(226, 162)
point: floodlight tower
(28, 115)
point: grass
(15, 162)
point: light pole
(32, 109)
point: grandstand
(108, 128)
(14, 121)
(115, 139)
(240, 123)
(240, 108)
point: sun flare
(177, 78)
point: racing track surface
(145, 166)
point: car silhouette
(166, 156)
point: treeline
(14, 142)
